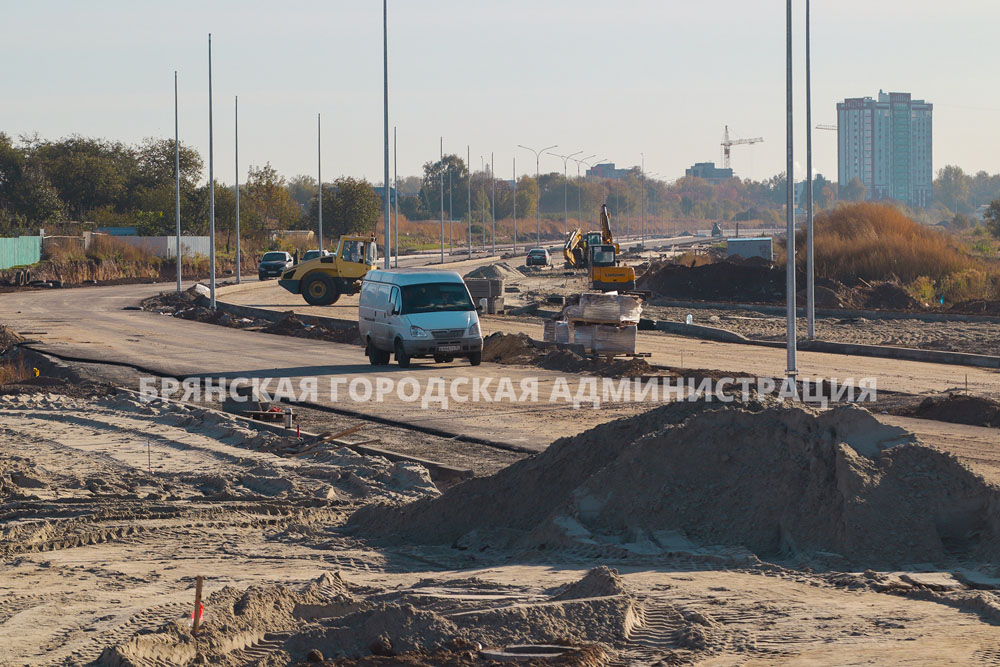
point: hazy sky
(615, 78)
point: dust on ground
(191, 304)
(518, 349)
(952, 335)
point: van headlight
(474, 330)
(417, 332)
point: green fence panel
(20, 251)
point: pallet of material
(606, 338)
(610, 308)
(560, 331)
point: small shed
(757, 246)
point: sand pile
(784, 482)
(501, 270)
(329, 618)
(959, 409)
(518, 348)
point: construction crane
(728, 143)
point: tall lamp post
(810, 255)
(538, 186)
(385, 129)
(579, 188)
(590, 165)
(790, 341)
(565, 159)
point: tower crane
(728, 143)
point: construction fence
(20, 251)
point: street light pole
(482, 199)
(810, 257)
(513, 173)
(591, 166)
(538, 186)
(442, 200)
(493, 206)
(579, 189)
(565, 159)
(385, 128)
(468, 164)
(177, 184)
(211, 183)
(395, 199)
(790, 338)
(642, 200)
(236, 131)
(319, 180)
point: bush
(877, 242)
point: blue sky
(614, 79)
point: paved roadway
(90, 323)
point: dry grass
(877, 242)
(14, 370)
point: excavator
(599, 252)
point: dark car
(313, 254)
(537, 257)
(273, 263)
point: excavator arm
(607, 236)
(571, 249)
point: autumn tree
(266, 204)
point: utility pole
(482, 199)
(451, 215)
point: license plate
(449, 348)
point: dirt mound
(978, 307)
(725, 280)
(784, 482)
(959, 409)
(598, 582)
(504, 348)
(501, 270)
(319, 621)
(291, 325)
(882, 296)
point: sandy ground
(100, 554)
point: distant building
(607, 170)
(709, 172)
(886, 144)
(380, 193)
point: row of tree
(111, 183)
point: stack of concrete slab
(605, 308)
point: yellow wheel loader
(322, 280)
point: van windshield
(434, 297)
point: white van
(418, 313)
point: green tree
(268, 205)
(951, 188)
(87, 173)
(855, 190)
(527, 197)
(302, 189)
(350, 206)
(430, 186)
(992, 218)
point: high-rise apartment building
(886, 144)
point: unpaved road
(89, 323)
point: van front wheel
(402, 358)
(476, 358)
